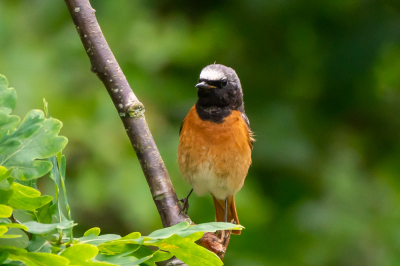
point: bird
(215, 141)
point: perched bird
(214, 152)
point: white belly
(205, 180)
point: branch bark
(131, 112)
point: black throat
(214, 104)
(213, 113)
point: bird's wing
(180, 129)
(251, 134)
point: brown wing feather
(251, 133)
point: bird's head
(219, 86)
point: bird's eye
(224, 82)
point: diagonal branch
(131, 112)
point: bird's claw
(185, 205)
(225, 236)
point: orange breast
(214, 157)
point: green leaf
(8, 96)
(208, 227)
(13, 250)
(97, 240)
(169, 231)
(82, 254)
(122, 245)
(46, 108)
(4, 173)
(5, 211)
(187, 251)
(35, 138)
(27, 198)
(46, 212)
(39, 244)
(115, 248)
(134, 235)
(3, 230)
(92, 263)
(8, 123)
(77, 254)
(153, 256)
(3, 256)
(55, 175)
(154, 236)
(122, 261)
(119, 246)
(158, 255)
(15, 225)
(5, 195)
(183, 229)
(40, 259)
(62, 162)
(92, 231)
(8, 100)
(39, 228)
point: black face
(218, 97)
(219, 93)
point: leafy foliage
(32, 148)
(22, 144)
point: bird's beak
(203, 85)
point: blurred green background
(321, 83)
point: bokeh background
(321, 84)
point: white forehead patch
(211, 74)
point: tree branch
(131, 112)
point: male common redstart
(214, 152)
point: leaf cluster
(31, 149)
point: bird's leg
(185, 203)
(226, 210)
(226, 218)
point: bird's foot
(185, 205)
(227, 233)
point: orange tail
(220, 212)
